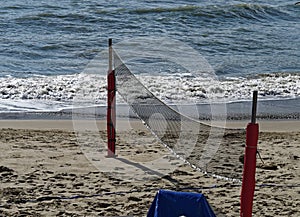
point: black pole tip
(109, 42)
(254, 106)
(255, 92)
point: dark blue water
(60, 37)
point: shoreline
(267, 110)
(125, 124)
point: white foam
(50, 92)
(55, 92)
(197, 90)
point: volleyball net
(204, 147)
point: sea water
(47, 46)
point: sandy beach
(46, 171)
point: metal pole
(248, 184)
(110, 63)
(254, 107)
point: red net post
(111, 114)
(111, 107)
(248, 183)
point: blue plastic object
(180, 204)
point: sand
(46, 171)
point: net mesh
(208, 149)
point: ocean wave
(185, 8)
(52, 15)
(62, 88)
(248, 11)
(240, 11)
(90, 89)
(197, 90)
(253, 12)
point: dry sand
(46, 171)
